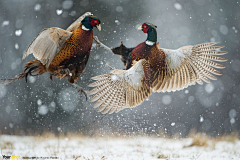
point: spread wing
(183, 67)
(121, 88)
(190, 64)
(77, 23)
(47, 44)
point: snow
(67, 4)
(32, 79)
(232, 113)
(178, 6)
(39, 102)
(166, 99)
(69, 99)
(3, 91)
(5, 23)
(117, 22)
(13, 65)
(106, 148)
(209, 88)
(114, 77)
(18, 32)
(52, 107)
(37, 7)
(10, 125)
(42, 110)
(201, 119)
(59, 11)
(16, 46)
(235, 30)
(8, 109)
(213, 93)
(232, 120)
(119, 9)
(223, 29)
(191, 98)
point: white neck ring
(85, 28)
(150, 43)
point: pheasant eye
(145, 28)
(93, 22)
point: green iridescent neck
(152, 35)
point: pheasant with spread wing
(62, 53)
(150, 68)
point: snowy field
(115, 148)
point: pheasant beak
(140, 28)
(99, 27)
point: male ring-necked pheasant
(62, 53)
(148, 67)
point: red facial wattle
(94, 22)
(145, 28)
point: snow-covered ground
(115, 148)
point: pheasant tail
(34, 66)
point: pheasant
(62, 53)
(150, 68)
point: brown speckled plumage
(77, 45)
(151, 53)
(73, 55)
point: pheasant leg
(80, 89)
(69, 74)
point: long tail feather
(30, 68)
(8, 81)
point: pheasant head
(150, 29)
(91, 21)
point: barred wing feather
(190, 64)
(121, 88)
(183, 67)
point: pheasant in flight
(62, 53)
(150, 68)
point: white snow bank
(139, 147)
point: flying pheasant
(62, 53)
(150, 68)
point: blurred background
(42, 106)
